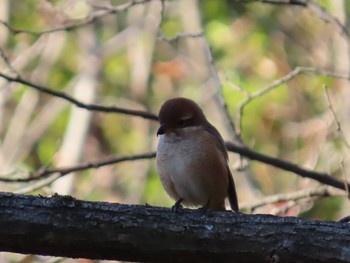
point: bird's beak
(161, 130)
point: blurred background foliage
(126, 59)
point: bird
(192, 159)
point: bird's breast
(188, 163)
(176, 155)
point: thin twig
(182, 35)
(274, 2)
(276, 83)
(330, 105)
(38, 184)
(74, 23)
(314, 7)
(162, 14)
(214, 74)
(81, 167)
(7, 62)
(78, 103)
(108, 10)
(320, 191)
(339, 128)
(328, 18)
(346, 185)
(220, 95)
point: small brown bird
(192, 157)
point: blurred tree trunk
(342, 64)
(79, 122)
(64, 226)
(4, 15)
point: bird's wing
(232, 194)
(219, 140)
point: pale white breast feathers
(175, 153)
(178, 156)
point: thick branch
(63, 226)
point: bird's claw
(177, 206)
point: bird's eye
(181, 122)
(184, 122)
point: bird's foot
(345, 220)
(177, 206)
(204, 209)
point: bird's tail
(232, 194)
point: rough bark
(64, 226)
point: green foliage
(23, 16)
(153, 192)
(327, 209)
(50, 143)
(116, 74)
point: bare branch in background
(313, 6)
(220, 95)
(233, 147)
(337, 122)
(75, 24)
(346, 186)
(78, 103)
(328, 18)
(81, 167)
(276, 83)
(40, 184)
(162, 14)
(274, 2)
(7, 62)
(214, 75)
(109, 9)
(287, 166)
(178, 36)
(319, 191)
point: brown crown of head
(179, 113)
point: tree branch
(72, 24)
(64, 226)
(274, 2)
(319, 191)
(220, 95)
(328, 18)
(44, 173)
(233, 147)
(182, 35)
(287, 166)
(78, 103)
(278, 82)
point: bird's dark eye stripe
(184, 121)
